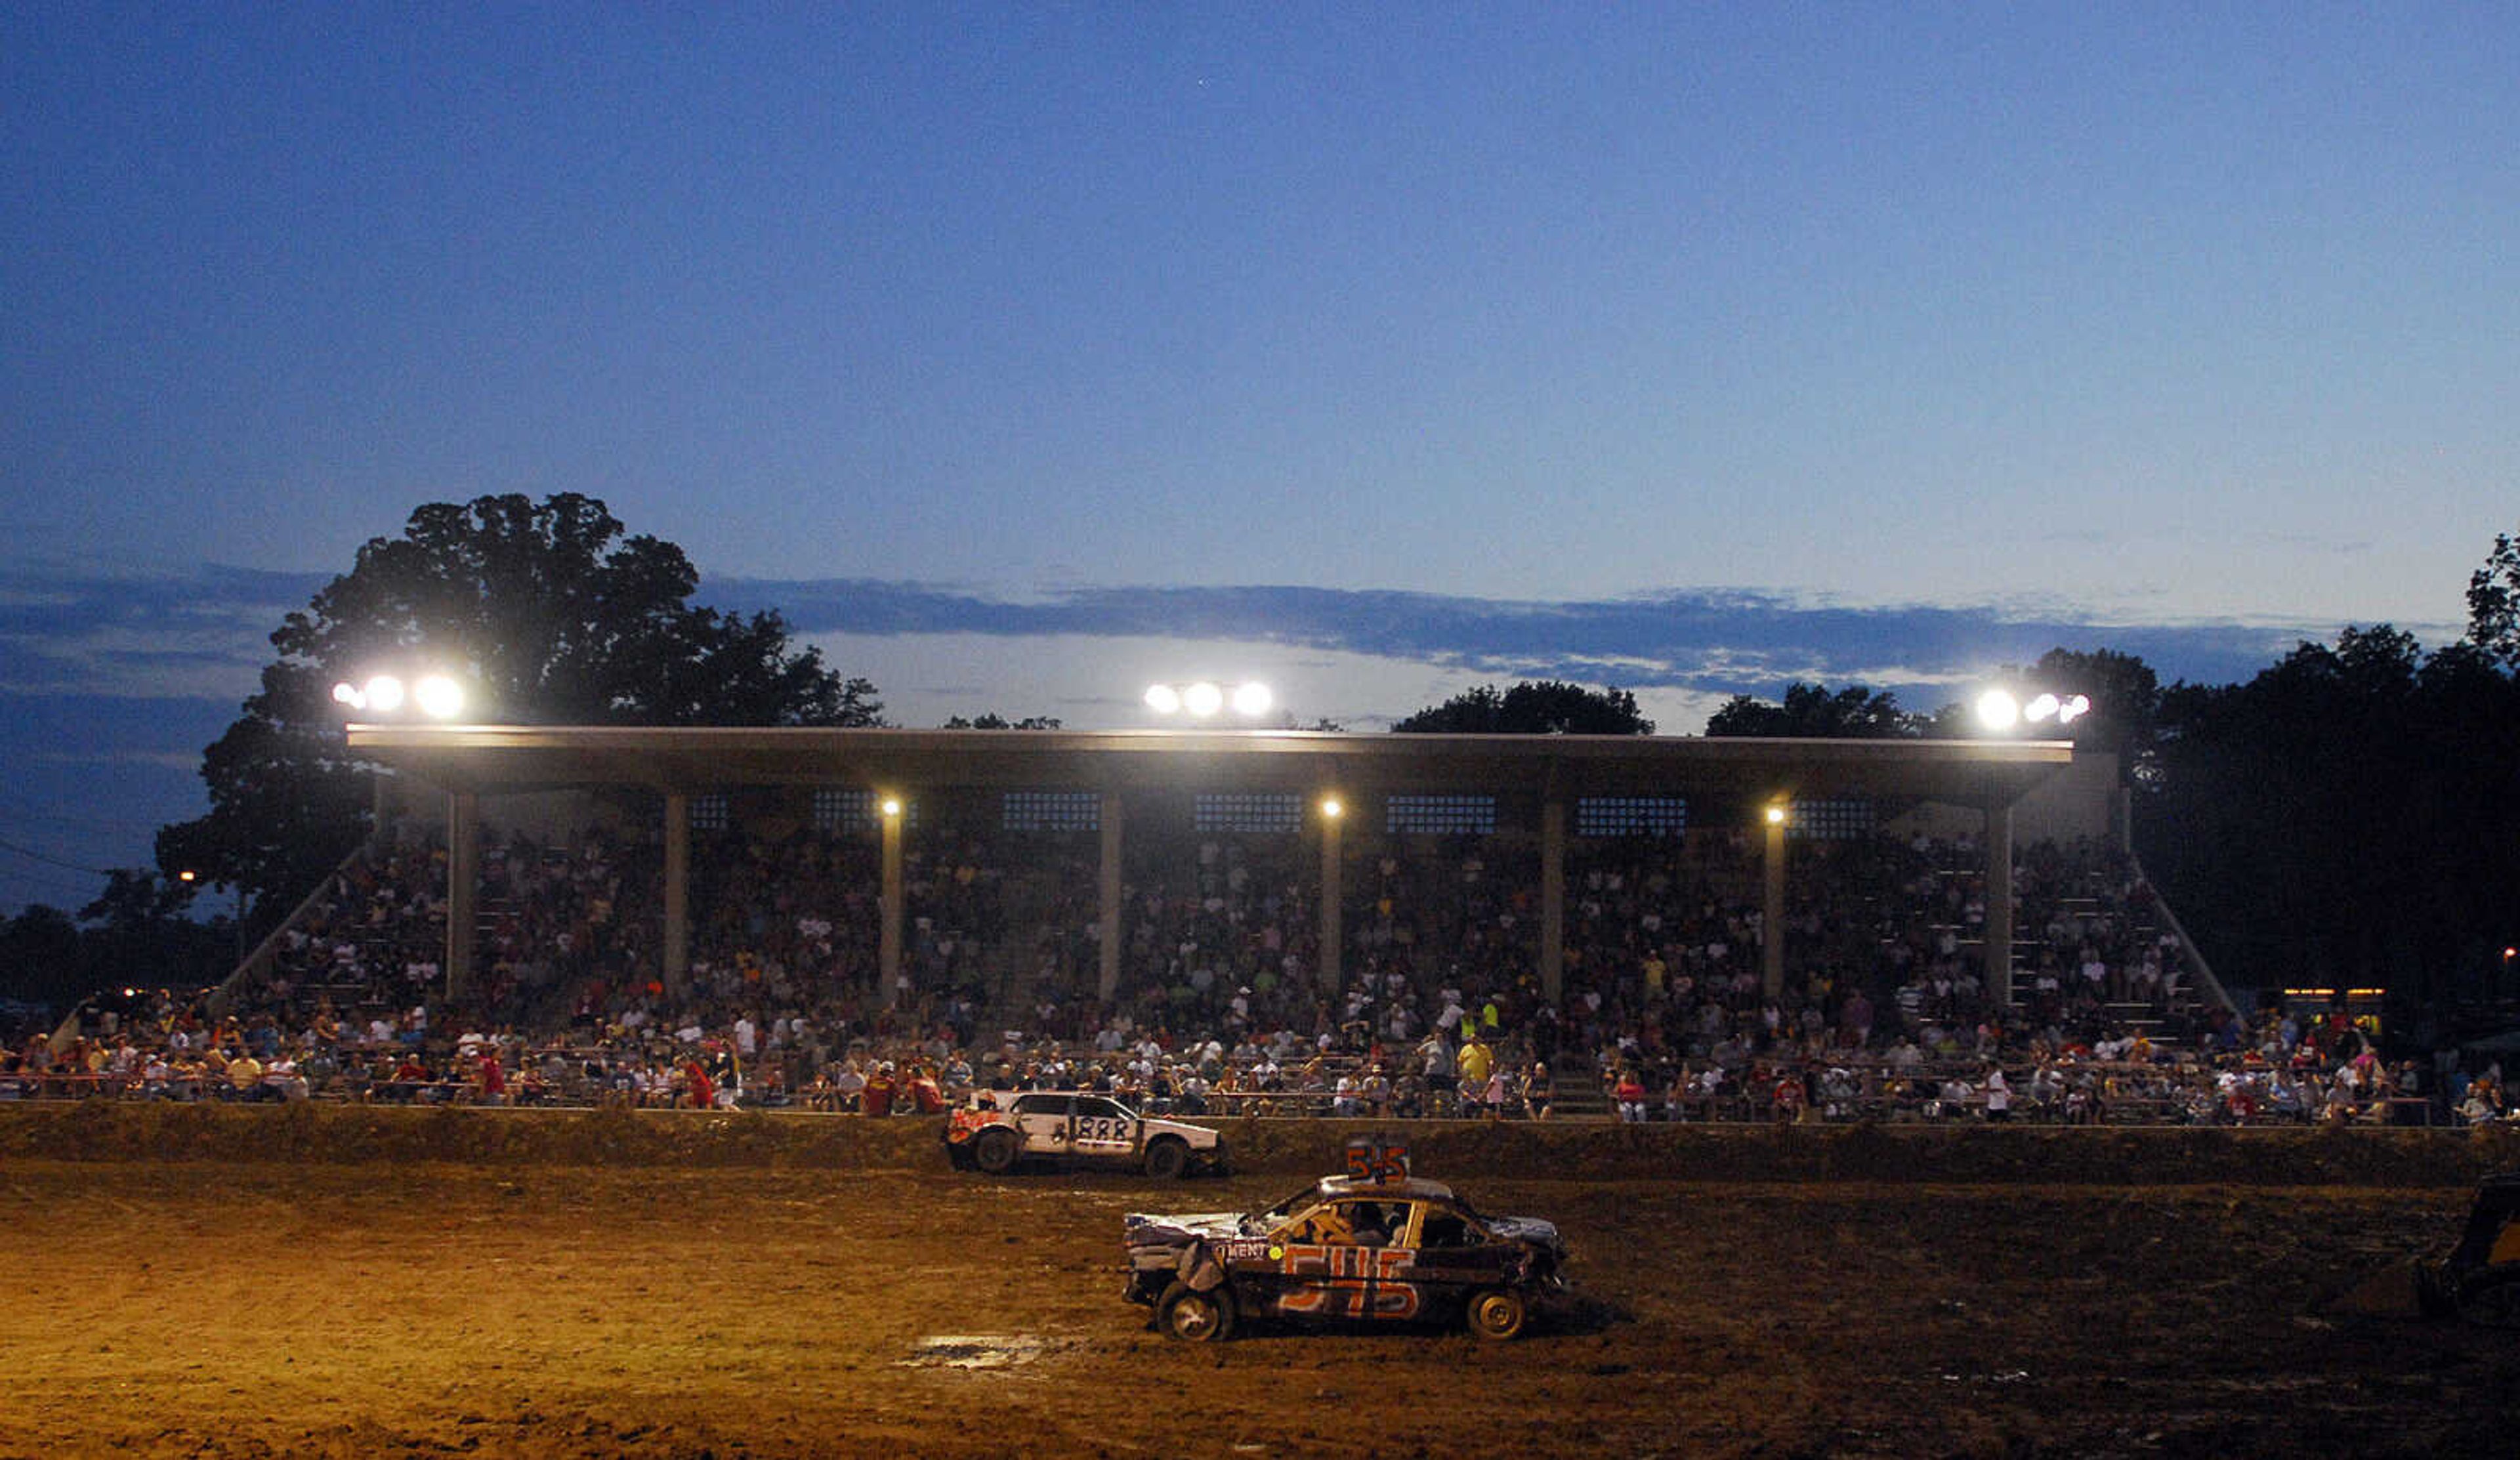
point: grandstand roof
(494, 759)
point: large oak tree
(549, 611)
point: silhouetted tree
(2125, 697)
(1811, 711)
(40, 957)
(134, 933)
(2345, 816)
(2494, 604)
(1533, 707)
(552, 614)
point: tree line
(2344, 817)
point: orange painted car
(1345, 1250)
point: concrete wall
(2082, 800)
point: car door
(1046, 1120)
(1455, 1255)
(1105, 1129)
(1346, 1259)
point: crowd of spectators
(1664, 1013)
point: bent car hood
(1526, 1230)
(1148, 1229)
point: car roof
(1413, 1186)
(1011, 1096)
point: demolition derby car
(1374, 1248)
(2480, 1280)
(1000, 1129)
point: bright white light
(438, 697)
(2041, 708)
(1251, 700)
(2074, 709)
(347, 693)
(892, 806)
(385, 694)
(1163, 700)
(1202, 699)
(1331, 808)
(1997, 710)
(1776, 815)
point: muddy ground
(319, 1305)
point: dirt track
(251, 1308)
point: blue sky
(1020, 353)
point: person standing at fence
(1998, 1094)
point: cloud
(201, 633)
(91, 778)
(1712, 640)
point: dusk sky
(1022, 354)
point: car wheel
(994, 1150)
(1497, 1314)
(1196, 1317)
(1167, 1159)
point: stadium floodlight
(1203, 699)
(435, 695)
(2001, 710)
(438, 696)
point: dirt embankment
(335, 1134)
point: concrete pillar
(462, 889)
(380, 805)
(1108, 980)
(1332, 934)
(1771, 933)
(1553, 898)
(1999, 903)
(888, 955)
(678, 892)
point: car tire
(1168, 1158)
(1497, 1314)
(1196, 1317)
(994, 1150)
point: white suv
(1000, 1128)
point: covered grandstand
(1312, 794)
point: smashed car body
(1345, 1248)
(998, 1131)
